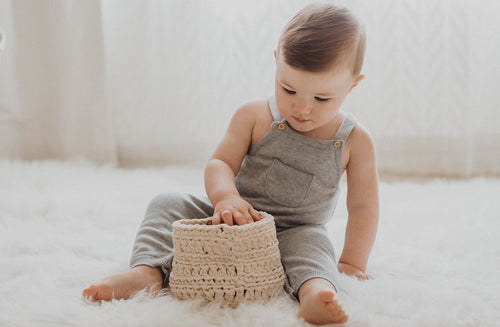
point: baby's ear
(357, 81)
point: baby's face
(310, 102)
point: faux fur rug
(436, 261)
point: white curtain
(53, 82)
(156, 82)
(431, 96)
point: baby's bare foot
(124, 285)
(319, 304)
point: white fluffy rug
(436, 261)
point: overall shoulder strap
(274, 108)
(346, 127)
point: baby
(285, 156)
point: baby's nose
(303, 107)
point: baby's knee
(166, 200)
(165, 204)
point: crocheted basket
(226, 263)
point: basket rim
(206, 223)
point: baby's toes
(337, 312)
(90, 292)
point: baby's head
(321, 37)
(318, 62)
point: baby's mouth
(301, 120)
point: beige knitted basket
(226, 263)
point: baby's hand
(234, 210)
(352, 271)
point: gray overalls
(292, 177)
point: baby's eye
(289, 91)
(321, 99)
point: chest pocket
(287, 185)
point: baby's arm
(362, 204)
(223, 166)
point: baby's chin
(305, 128)
(301, 129)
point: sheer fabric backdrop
(53, 82)
(156, 82)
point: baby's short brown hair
(321, 36)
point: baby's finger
(240, 219)
(227, 217)
(255, 215)
(216, 219)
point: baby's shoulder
(258, 114)
(257, 108)
(359, 135)
(360, 141)
(256, 111)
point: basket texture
(226, 263)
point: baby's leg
(153, 248)
(124, 285)
(309, 262)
